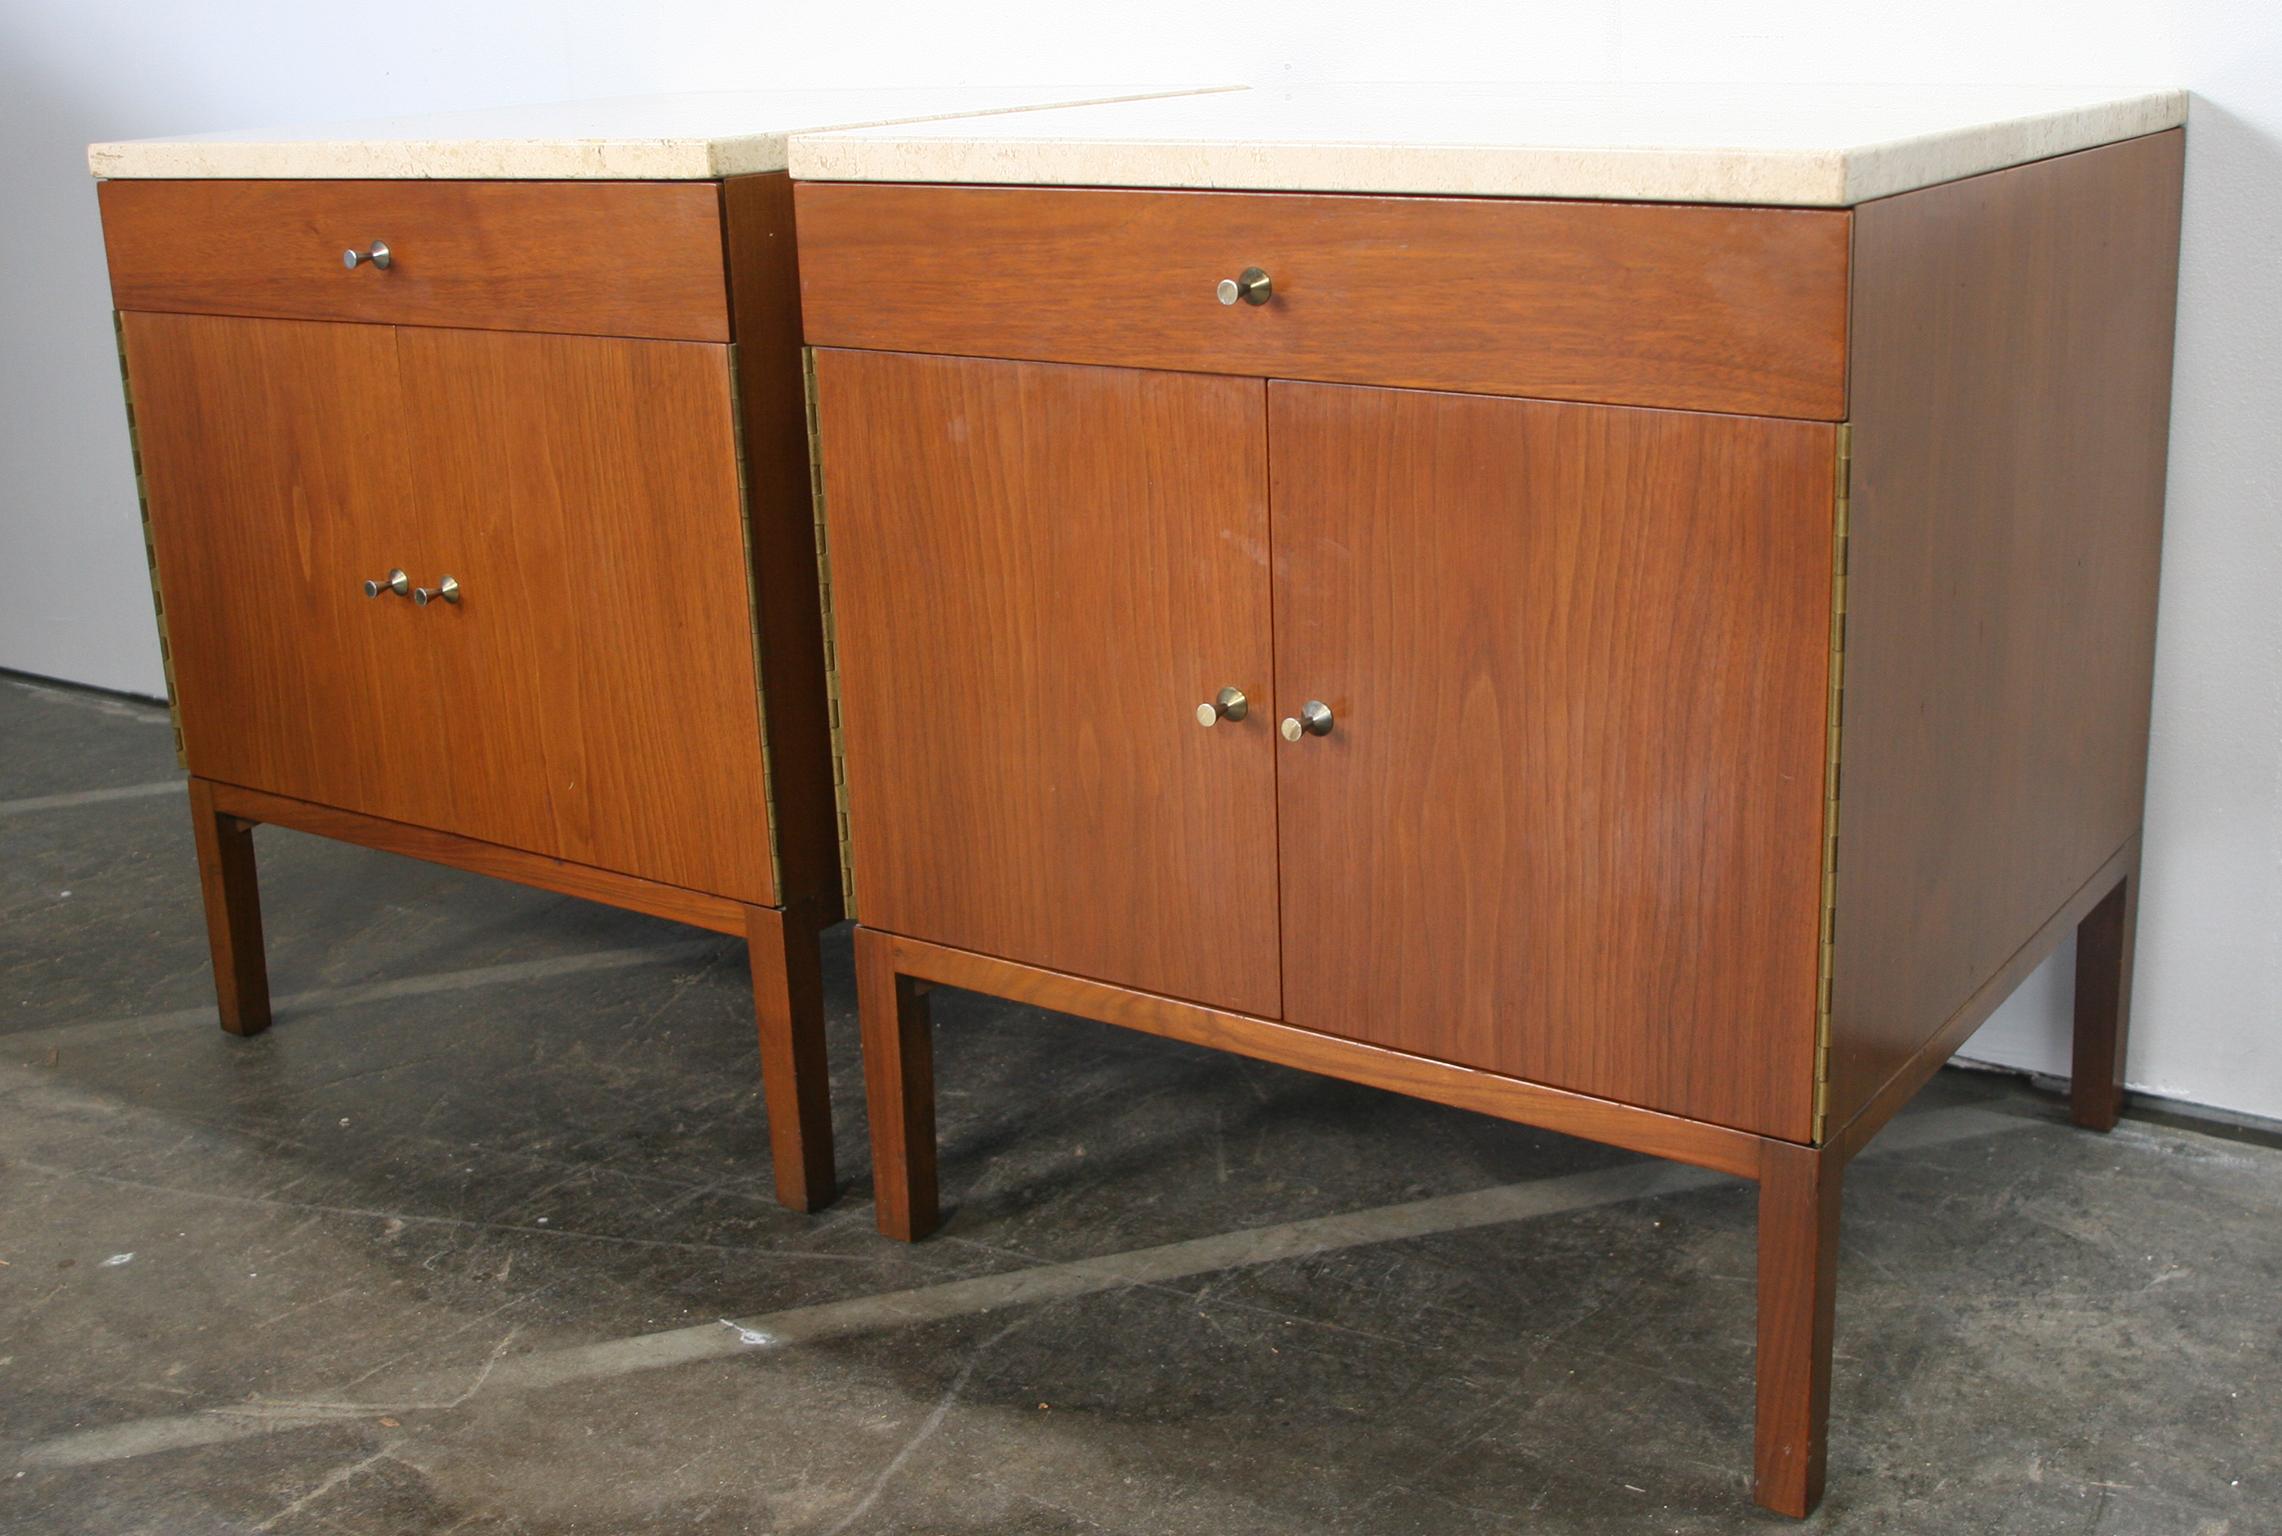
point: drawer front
(639, 259)
(1697, 308)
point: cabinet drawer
(640, 259)
(1698, 308)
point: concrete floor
(478, 1239)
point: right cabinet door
(584, 492)
(1038, 574)
(1567, 821)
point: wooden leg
(796, 1077)
(899, 1090)
(1798, 1292)
(2103, 1005)
(232, 894)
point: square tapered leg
(2104, 942)
(899, 1088)
(227, 882)
(1798, 1292)
(796, 1080)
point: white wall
(73, 597)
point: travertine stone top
(689, 137)
(1809, 146)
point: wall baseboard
(66, 685)
(2153, 1108)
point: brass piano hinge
(753, 622)
(150, 548)
(1841, 513)
(831, 636)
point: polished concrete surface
(478, 1238)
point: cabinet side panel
(2010, 382)
(764, 290)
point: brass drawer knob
(1228, 704)
(445, 591)
(1314, 719)
(395, 581)
(1251, 285)
(377, 255)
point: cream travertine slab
(693, 136)
(1807, 146)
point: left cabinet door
(1039, 574)
(273, 459)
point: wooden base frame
(788, 986)
(1799, 1185)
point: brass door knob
(395, 581)
(1228, 704)
(377, 255)
(445, 591)
(1314, 719)
(1251, 285)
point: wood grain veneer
(2011, 384)
(1039, 573)
(603, 258)
(1567, 825)
(577, 702)
(274, 491)
(584, 490)
(1722, 309)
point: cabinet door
(1567, 823)
(1039, 572)
(601, 684)
(273, 458)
